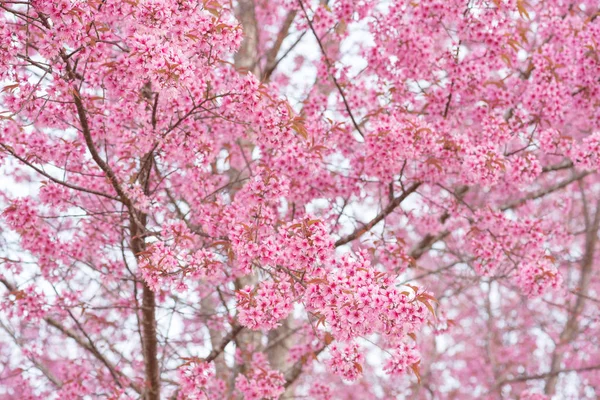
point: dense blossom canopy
(262, 199)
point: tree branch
(53, 179)
(81, 342)
(384, 213)
(235, 330)
(548, 374)
(546, 191)
(329, 67)
(296, 370)
(272, 62)
(41, 367)
(571, 329)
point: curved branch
(329, 67)
(81, 342)
(236, 329)
(544, 192)
(384, 213)
(53, 179)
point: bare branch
(235, 330)
(329, 67)
(81, 342)
(546, 375)
(541, 193)
(384, 213)
(272, 62)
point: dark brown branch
(80, 341)
(296, 370)
(557, 167)
(544, 192)
(150, 344)
(137, 227)
(384, 213)
(41, 367)
(81, 112)
(245, 58)
(149, 331)
(271, 63)
(426, 243)
(329, 67)
(236, 329)
(447, 108)
(283, 56)
(429, 239)
(571, 329)
(53, 179)
(548, 374)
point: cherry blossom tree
(263, 199)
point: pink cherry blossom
(206, 199)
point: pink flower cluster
(29, 304)
(265, 305)
(535, 278)
(320, 391)
(210, 155)
(198, 381)
(531, 395)
(497, 241)
(404, 356)
(261, 382)
(169, 261)
(355, 300)
(346, 361)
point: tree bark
(571, 329)
(247, 56)
(150, 342)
